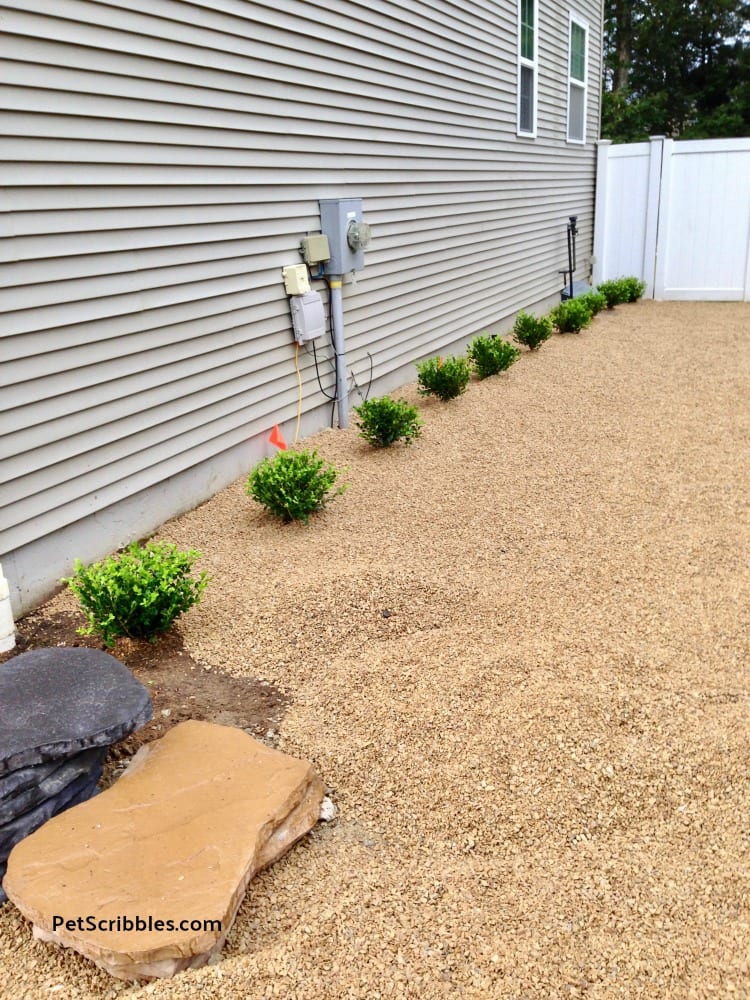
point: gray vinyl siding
(159, 165)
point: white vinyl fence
(677, 215)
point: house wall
(161, 162)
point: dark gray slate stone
(13, 782)
(53, 779)
(78, 790)
(57, 702)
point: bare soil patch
(517, 652)
(180, 687)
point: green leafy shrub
(531, 331)
(631, 289)
(594, 300)
(571, 316)
(612, 291)
(445, 378)
(294, 484)
(490, 355)
(385, 420)
(139, 593)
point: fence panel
(677, 214)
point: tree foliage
(676, 68)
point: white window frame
(533, 65)
(572, 81)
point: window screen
(577, 113)
(526, 101)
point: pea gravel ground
(517, 652)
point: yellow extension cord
(299, 383)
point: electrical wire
(299, 383)
(334, 367)
(317, 373)
(369, 384)
(356, 385)
(332, 364)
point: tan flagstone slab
(178, 838)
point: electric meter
(358, 235)
(341, 221)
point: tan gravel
(517, 652)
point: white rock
(328, 810)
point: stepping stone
(178, 838)
(57, 702)
(81, 789)
(61, 710)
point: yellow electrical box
(296, 279)
(315, 249)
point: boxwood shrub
(294, 484)
(445, 378)
(491, 355)
(139, 593)
(384, 421)
(571, 316)
(532, 331)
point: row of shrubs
(486, 355)
(143, 590)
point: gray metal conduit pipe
(339, 349)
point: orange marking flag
(277, 438)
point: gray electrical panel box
(308, 316)
(341, 221)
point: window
(577, 69)
(527, 67)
